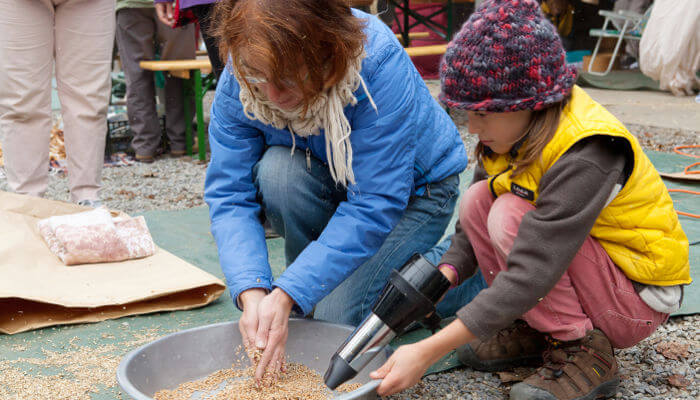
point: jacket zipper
(308, 159)
(493, 178)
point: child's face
(498, 131)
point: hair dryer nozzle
(338, 372)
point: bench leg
(198, 96)
(405, 29)
(450, 20)
(187, 89)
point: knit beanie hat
(506, 57)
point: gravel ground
(176, 183)
(645, 372)
(170, 184)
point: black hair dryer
(409, 296)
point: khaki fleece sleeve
(573, 192)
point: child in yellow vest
(567, 219)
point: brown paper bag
(37, 290)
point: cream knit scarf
(326, 113)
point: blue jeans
(299, 200)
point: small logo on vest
(520, 191)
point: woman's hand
(165, 13)
(404, 368)
(271, 335)
(248, 324)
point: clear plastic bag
(670, 47)
(93, 237)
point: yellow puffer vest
(639, 229)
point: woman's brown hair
(283, 35)
(540, 130)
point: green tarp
(618, 80)
(186, 234)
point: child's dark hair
(543, 124)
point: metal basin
(195, 353)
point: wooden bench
(195, 87)
(426, 50)
(428, 21)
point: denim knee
(276, 175)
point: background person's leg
(136, 30)
(84, 40)
(203, 12)
(26, 66)
(178, 44)
(420, 227)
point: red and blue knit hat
(506, 57)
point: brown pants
(77, 37)
(137, 28)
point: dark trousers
(203, 13)
(137, 28)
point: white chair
(630, 27)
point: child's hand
(406, 366)
(403, 369)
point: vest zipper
(308, 159)
(493, 178)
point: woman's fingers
(248, 326)
(275, 341)
(265, 318)
(264, 366)
(278, 360)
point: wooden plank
(414, 35)
(180, 73)
(181, 68)
(439, 1)
(426, 50)
(175, 65)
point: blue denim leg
(420, 227)
(299, 201)
(461, 295)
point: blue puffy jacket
(409, 142)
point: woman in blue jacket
(321, 122)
